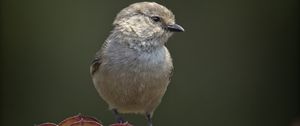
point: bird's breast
(154, 63)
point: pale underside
(133, 82)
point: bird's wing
(95, 64)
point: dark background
(237, 64)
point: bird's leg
(149, 119)
(118, 117)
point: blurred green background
(237, 64)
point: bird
(132, 69)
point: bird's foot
(121, 124)
(150, 124)
(120, 119)
(149, 119)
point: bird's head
(147, 20)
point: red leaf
(71, 120)
(47, 124)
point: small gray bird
(132, 70)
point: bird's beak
(175, 28)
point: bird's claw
(121, 124)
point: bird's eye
(155, 18)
